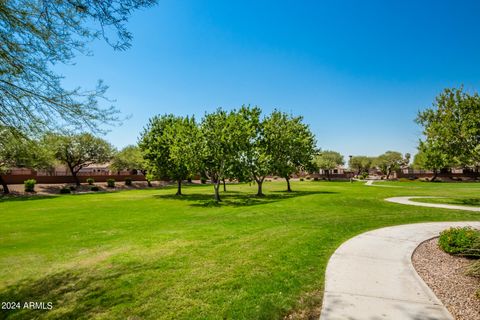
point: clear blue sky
(358, 71)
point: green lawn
(469, 201)
(146, 254)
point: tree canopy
(78, 151)
(360, 164)
(16, 151)
(169, 145)
(39, 34)
(290, 144)
(129, 158)
(451, 128)
(390, 161)
(328, 160)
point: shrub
(128, 181)
(94, 188)
(203, 181)
(458, 240)
(72, 188)
(308, 178)
(315, 179)
(363, 175)
(30, 185)
(149, 178)
(65, 190)
(90, 181)
(111, 183)
(301, 179)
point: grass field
(469, 201)
(146, 254)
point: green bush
(301, 179)
(128, 181)
(459, 240)
(149, 177)
(94, 188)
(315, 179)
(90, 181)
(203, 181)
(72, 188)
(111, 183)
(30, 185)
(65, 190)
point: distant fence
(18, 179)
(447, 175)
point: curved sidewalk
(406, 200)
(371, 276)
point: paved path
(406, 200)
(370, 184)
(371, 276)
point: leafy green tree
(289, 144)
(328, 160)
(78, 151)
(452, 126)
(170, 147)
(390, 161)
(16, 150)
(222, 140)
(360, 164)
(36, 35)
(253, 145)
(432, 157)
(129, 158)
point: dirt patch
(445, 275)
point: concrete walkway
(406, 200)
(370, 184)
(371, 276)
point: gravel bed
(445, 275)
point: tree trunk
(435, 173)
(388, 174)
(4, 185)
(260, 183)
(77, 180)
(328, 174)
(288, 184)
(224, 185)
(179, 187)
(216, 187)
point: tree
(35, 35)
(390, 161)
(220, 145)
(431, 157)
(289, 143)
(252, 145)
(16, 150)
(129, 158)
(169, 144)
(452, 126)
(329, 160)
(77, 151)
(360, 164)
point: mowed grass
(471, 202)
(147, 254)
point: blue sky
(358, 71)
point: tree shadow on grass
(238, 199)
(13, 197)
(469, 202)
(74, 293)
